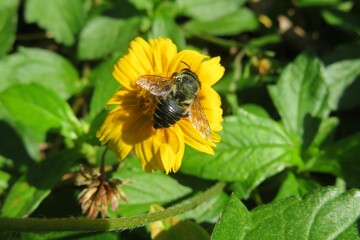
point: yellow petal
(125, 98)
(112, 130)
(179, 154)
(211, 104)
(142, 51)
(137, 62)
(146, 151)
(164, 51)
(193, 138)
(189, 57)
(210, 71)
(171, 147)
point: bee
(176, 97)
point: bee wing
(157, 85)
(198, 119)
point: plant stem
(102, 164)
(73, 224)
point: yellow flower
(130, 124)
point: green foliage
(31, 65)
(142, 190)
(290, 147)
(62, 19)
(114, 34)
(8, 21)
(265, 151)
(236, 22)
(324, 214)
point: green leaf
(40, 109)
(252, 149)
(301, 98)
(62, 18)
(105, 86)
(340, 159)
(4, 179)
(237, 22)
(43, 67)
(30, 190)
(164, 25)
(289, 187)
(102, 36)
(23, 199)
(338, 77)
(324, 136)
(310, 3)
(343, 20)
(208, 10)
(146, 189)
(235, 214)
(8, 24)
(210, 210)
(323, 214)
(147, 5)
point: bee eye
(178, 79)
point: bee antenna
(186, 64)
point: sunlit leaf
(144, 4)
(237, 22)
(301, 97)
(252, 148)
(4, 179)
(102, 36)
(145, 189)
(235, 214)
(40, 109)
(339, 76)
(163, 25)
(289, 187)
(62, 18)
(105, 86)
(210, 210)
(8, 22)
(40, 66)
(325, 213)
(207, 10)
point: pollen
(147, 102)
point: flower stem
(117, 224)
(102, 164)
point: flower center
(147, 102)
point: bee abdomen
(167, 113)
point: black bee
(176, 97)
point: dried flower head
(99, 193)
